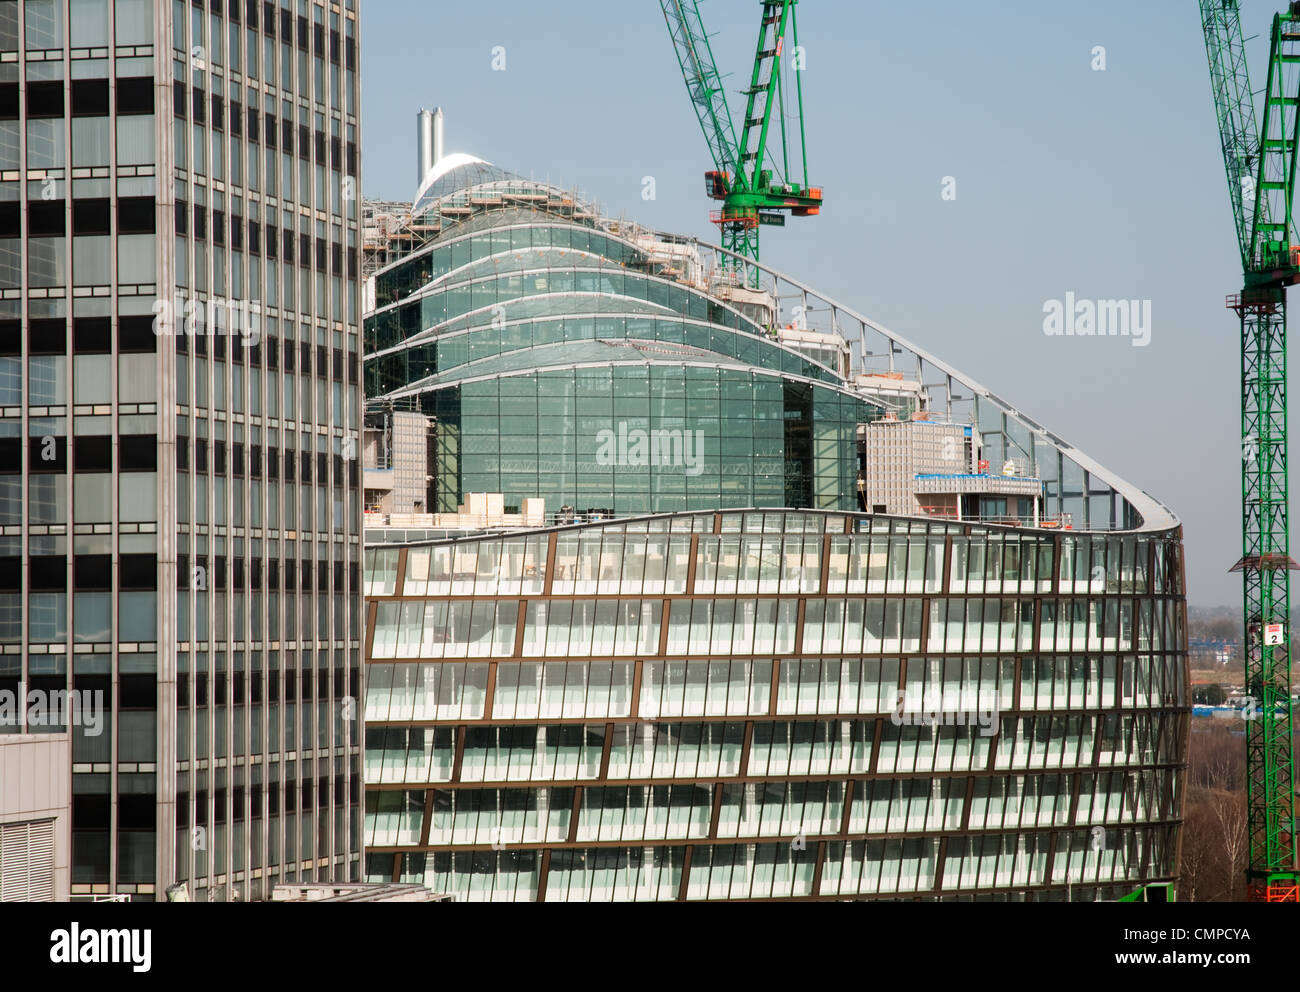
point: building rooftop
(518, 280)
(454, 173)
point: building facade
(813, 616)
(180, 407)
(775, 704)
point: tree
(1214, 847)
(1209, 695)
(1229, 809)
(1223, 629)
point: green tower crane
(753, 189)
(1261, 165)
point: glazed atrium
(710, 588)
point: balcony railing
(1064, 521)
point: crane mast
(1260, 161)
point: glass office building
(561, 363)
(730, 671)
(180, 395)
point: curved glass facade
(686, 698)
(559, 362)
(775, 705)
(633, 436)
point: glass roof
(580, 352)
(544, 308)
(459, 172)
(526, 260)
(562, 353)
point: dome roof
(454, 173)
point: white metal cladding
(27, 861)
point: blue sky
(1105, 184)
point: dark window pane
(89, 97)
(93, 454)
(135, 215)
(92, 216)
(92, 335)
(47, 218)
(92, 572)
(45, 99)
(138, 453)
(135, 95)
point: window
(135, 141)
(137, 378)
(11, 381)
(44, 24)
(92, 380)
(137, 497)
(90, 141)
(48, 616)
(88, 23)
(47, 383)
(137, 616)
(46, 499)
(133, 22)
(9, 26)
(45, 144)
(92, 498)
(92, 616)
(136, 262)
(11, 499)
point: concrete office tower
(179, 411)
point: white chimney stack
(439, 150)
(425, 146)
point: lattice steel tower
(1261, 166)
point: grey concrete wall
(35, 784)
